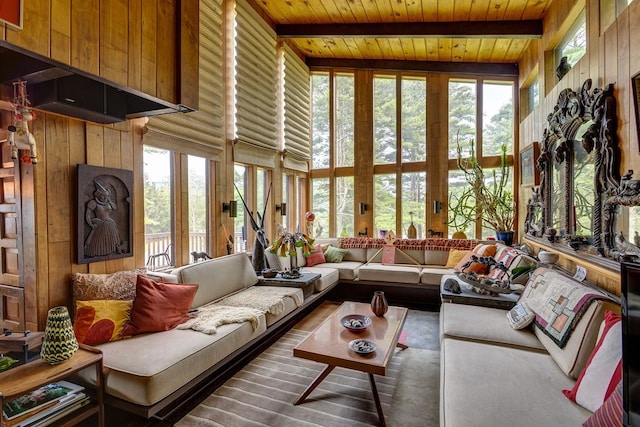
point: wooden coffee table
(328, 343)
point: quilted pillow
(485, 250)
(316, 256)
(100, 321)
(604, 367)
(610, 413)
(333, 254)
(506, 258)
(120, 285)
(159, 306)
(520, 316)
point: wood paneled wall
(147, 45)
(610, 58)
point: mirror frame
(571, 113)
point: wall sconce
(282, 207)
(231, 207)
(437, 206)
(363, 208)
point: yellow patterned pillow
(455, 256)
(100, 321)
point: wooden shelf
(30, 376)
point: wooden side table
(32, 375)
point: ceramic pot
(59, 342)
(546, 257)
(505, 236)
(379, 304)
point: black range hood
(61, 89)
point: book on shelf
(44, 398)
(56, 412)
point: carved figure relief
(104, 213)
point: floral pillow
(100, 321)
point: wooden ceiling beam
(528, 29)
(467, 68)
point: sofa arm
(160, 276)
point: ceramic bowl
(546, 257)
(269, 274)
(356, 322)
(362, 346)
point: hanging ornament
(19, 136)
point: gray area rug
(261, 394)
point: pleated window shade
(201, 132)
(297, 134)
(256, 118)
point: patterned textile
(264, 298)
(610, 413)
(506, 258)
(120, 285)
(558, 302)
(207, 319)
(408, 244)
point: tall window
(413, 119)
(497, 118)
(462, 116)
(345, 120)
(534, 95)
(574, 43)
(198, 212)
(384, 119)
(320, 207)
(320, 118)
(158, 217)
(240, 178)
(384, 202)
(344, 206)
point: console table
(306, 282)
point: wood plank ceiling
(458, 31)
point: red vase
(379, 304)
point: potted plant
(494, 202)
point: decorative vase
(505, 236)
(379, 304)
(412, 233)
(59, 342)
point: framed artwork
(105, 213)
(529, 173)
(11, 13)
(635, 87)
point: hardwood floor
(424, 325)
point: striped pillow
(610, 413)
(604, 367)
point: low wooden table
(328, 343)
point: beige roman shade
(256, 86)
(297, 133)
(201, 132)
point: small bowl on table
(269, 273)
(356, 322)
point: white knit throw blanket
(268, 299)
(208, 318)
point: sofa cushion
(389, 273)
(316, 257)
(432, 274)
(120, 285)
(212, 276)
(100, 321)
(158, 306)
(485, 386)
(484, 324)
(347, 270)
(604, 369)
(334, 255)
(180, 357)
(475, 267)
(328, 276)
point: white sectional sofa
(493, 375)
(148, 373)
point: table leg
(374, 390)
(314, 384)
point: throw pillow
(120, 285)
(455, 256)
(506, 258)
(100, 321)
(610, 413)
(520, 316)
(604, 368)
(316, 257)
(475, 267)
(485, 250)
(333, 254)
(159, 306)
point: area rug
(261, 394)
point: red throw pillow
(316, 256)
(604, 368)
(159, 306)
(475, 267)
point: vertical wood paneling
(113, 40)
(189, 61)
(58, 182)
(61, 30)
(35, 27)
(85, 36)
(134, 51)
(149, 47)
(166, 41)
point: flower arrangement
(287, 244)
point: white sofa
(147, 373)
(493, 375)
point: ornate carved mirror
(581, 190)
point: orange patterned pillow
(100, 321)
(485, 250)
(475, 267)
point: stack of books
(44, 405)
